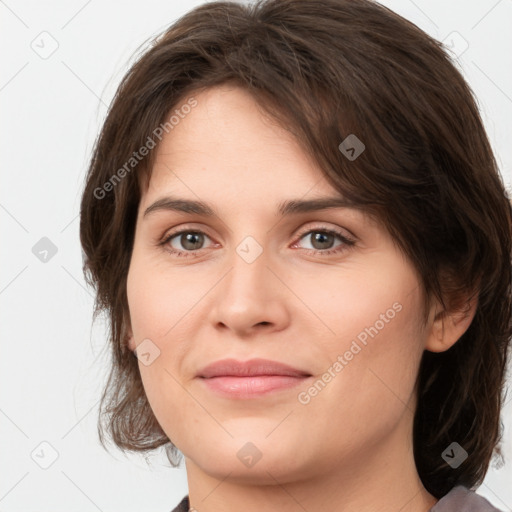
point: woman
(295, 222)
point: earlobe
(130, 342)
(127, 337)
(446, 328)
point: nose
(251, 297)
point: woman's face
(253, 283)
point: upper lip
(232, 367)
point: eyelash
(347, 242)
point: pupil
(189, 242)
(192, 240)
(322, 237)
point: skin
(346, 449)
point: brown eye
(191, 241)
(185, 243)
(323, 240)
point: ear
(446, 327)
(130, 343)
(127, 337)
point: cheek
(377, 343)
(376, 307)
(161, 302)
(368, 390)
(161, 305)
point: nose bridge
(249, 274)
(248, 294)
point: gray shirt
(459, 499)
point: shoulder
(462, 499)
(182, 506)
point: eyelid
(183, 228)
(301, 232)
(343, 232)
(347, 237)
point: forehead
(227, 144)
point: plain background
(53, 363)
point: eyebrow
(285, 208)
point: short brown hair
(326, 69)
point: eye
(188, 240)
(322, 240)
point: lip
(250, 379)
(250, 368)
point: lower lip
(251, 387)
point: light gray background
(52, 364)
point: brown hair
(326, 69)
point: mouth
(250, 379)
